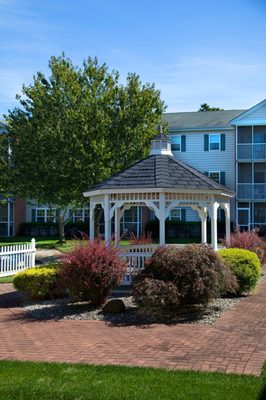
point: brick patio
(235, 343)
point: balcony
(251, 191)
(249, 151)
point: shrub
(154, 293)
(40, 283)
(91, 271)
(245, 265)
(146, 238)
(197, 272)
(248, 240)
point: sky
(194, 51)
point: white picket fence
(15, 258)
(135, 257)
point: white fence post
(15, 258)
(33, 247)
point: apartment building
(250, 133)
(229, 146)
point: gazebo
(161, 183)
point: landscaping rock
(114, 306)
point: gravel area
(65, 309)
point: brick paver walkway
(235, 343)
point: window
(43, 215)
(6, 218)
(215, 175)
(81, 215)
(40, 215)
(215, 141)
(176, 142)
(50, 215)
(131, 221)
(175, 214)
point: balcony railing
(254, 191)
(248, 151)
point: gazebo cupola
(161, 144)
(161, 183)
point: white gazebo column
(226, 208)
(92, 221)
(162, 214)
(107, 220)
(213, 214)
(203, 217)
(117, 224)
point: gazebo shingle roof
(160, 171)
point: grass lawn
(7, 279)
(52, 243)
(28, 381)
(41, 242)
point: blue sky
(194, 51)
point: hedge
(190, 229)
(72, 229)
(245, 265)
(40, 283)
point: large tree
(4, 168)
(75, 128)
(206, 107)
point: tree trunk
(61, 226)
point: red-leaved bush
(154, 293)
(198, 273)
(144, 239)
(248, 240)
(91, 271)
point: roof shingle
(200, 120)
(160, 171)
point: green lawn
(34, 381)
(41, 242)
(7, 279)
(52, 243)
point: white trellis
(15, 258)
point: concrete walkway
(47, 256)
(235, 343)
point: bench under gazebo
(161, 183)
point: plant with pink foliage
(248, 240)
(91, 271)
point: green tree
(206, 107)
(4, 169)
(75, 129)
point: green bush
(40, 283)
(245, 265)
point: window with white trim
(175, 214)
(215, 175)
(80, 215)
(214, 141)
(44, 214)
(176, 142)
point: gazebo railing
(135, 257)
